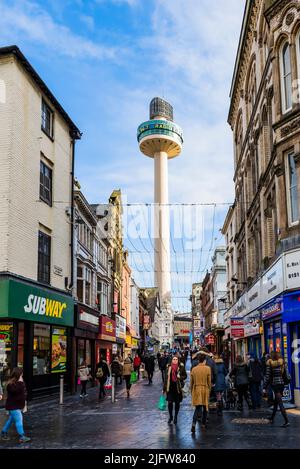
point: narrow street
(137, 423)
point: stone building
(262, 227)
(37, 153)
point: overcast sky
(105, 60)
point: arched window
(239, 139)
(286, 77)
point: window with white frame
(292, 188)
(84, 284)
(286, 77)
(102, 296)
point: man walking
(102, 374)
(163, 363)
(149, 367)
(200, 383)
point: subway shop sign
(22, 301)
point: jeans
(127, 380)
(197, 414)
(163, 375)
(83, 387)
(102, 382)
(150, 376)
(278, 391)
(255, 394)
(16, 417)
(137, 370)
(242, 390)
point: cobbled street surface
(137, 423)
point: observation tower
(160, 138)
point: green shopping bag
(133, 377)
(162, 403)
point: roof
(14, 50)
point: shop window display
(6, 341)
(41, 349)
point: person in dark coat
(240, 374)
(220, 384)
(173, 384)
(15, 403)
(116, 369)
(149, 366)
(276, 374)
(163, 363)
(102, 373)
(255, 379)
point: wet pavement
(137, 423)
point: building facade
(198, 320)
(37, 151)
(263, 245)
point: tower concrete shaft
(162, 227)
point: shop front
(106, 339)
(271, 315)
(120, 335)
(85, 335)
(253, 334)
(35, 334)
(291, 340)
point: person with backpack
(15, 404)
(255, 379)
(277, 376)
(84, 376)
(102, 373)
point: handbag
(162, 403)
(133, 377)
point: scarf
(174, 368)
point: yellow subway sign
(24, 301)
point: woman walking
(15, 403)
(127, 370)
(173, 384)
(220, 385)
(240, 373)
(200, 383)
(277, 376)
(84, 376)
(136, 364)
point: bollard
(61, 390)
(113, 383)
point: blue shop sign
(292, 307)
(272, 309)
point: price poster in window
(59, 351)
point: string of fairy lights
(189, 259)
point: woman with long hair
(173, 384)
(84, 376)
(15, 403)
(277, 376)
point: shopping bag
(108, 384)
(78, 381)
(133, 377)
(162, 403)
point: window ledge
(46, 133)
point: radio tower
(160, 138)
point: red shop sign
(107, 329)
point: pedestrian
(220, 384)
(15, 403)
(84, 376)
(149, 367)
(277, 376)
(116, 369)
(163, 363)
(127, 370)
(268, 390)
(200, 384)
(240, 374)
(102, 374)
(136, 364)
(121, 361)
(255, 380)
(173, 384)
